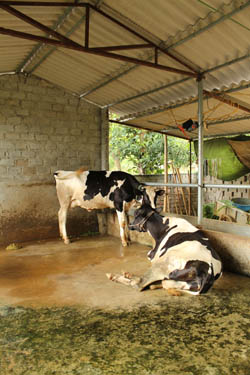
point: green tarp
(226, 158)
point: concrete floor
(59, 314)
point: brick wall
(42, 129)
(212, 195)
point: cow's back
(95, 189)
(114, 188)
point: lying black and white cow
(182, 258)
(97, 190)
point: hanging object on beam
(190, 125)
(183, 131)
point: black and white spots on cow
(105, 184)
(173, 226)
(182, 252)
(98, 190)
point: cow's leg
(195, 278)
(123, 227)
(127, 231)
(62, 217)
(179, 285)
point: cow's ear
(160, 192)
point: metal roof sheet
(210, 36)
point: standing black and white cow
(182, 258)
(97, 190)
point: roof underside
(139, 58)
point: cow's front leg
(62, 217)
(123, 227)
(126, 229)
(126, 278)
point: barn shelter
(65, 68)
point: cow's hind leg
(62, 217)
(194, 278)
(123, 227)
(178, 285)
(127, 231)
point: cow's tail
(80, 170)
(64, 175)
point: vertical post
(190, 161)
(166, 198)
(87, 27)
(190, 178)
(104, 130)
(156, 55)
(200, 151)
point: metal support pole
(166, 198)
(190, 179)
(104, 128)
(200, 152)
(217, 186)
(190, 161)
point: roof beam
(223, 18)
(167, 131)
(59, 23)
(109, 17)
(123, 47)
(50, 31)
(165, 107)
(34, 23)
(173, 45)
(163, 87)
(36, 49)
(163, 132)
(228, 120)
(228, 99)
(77, 47)
(158, 48)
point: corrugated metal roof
(210, 37)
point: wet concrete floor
(59, 314)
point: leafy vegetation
(209, 211)
(142, 152)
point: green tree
(142, 152)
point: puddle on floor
(59, 314)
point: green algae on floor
(188, 335)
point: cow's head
(152, 193)
(143, 214)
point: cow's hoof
(124, 244)
(67, 241)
